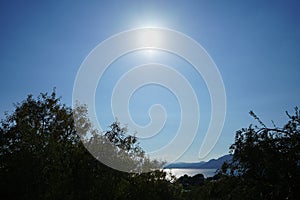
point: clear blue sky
(255, 44)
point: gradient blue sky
(255, 44)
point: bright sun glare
(150, 53)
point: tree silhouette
(267, 160)
(42, 156)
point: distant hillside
(196, 165)
(211, 164)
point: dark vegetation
(42, 157)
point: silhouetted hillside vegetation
(42, 157)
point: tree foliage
(42, 156)
(114, 147)
(267, 160)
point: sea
(191, 172)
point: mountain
(211, 164)
(216, 163)
(185, 165)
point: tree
(114, 147)
(39, 149)
(43, 157)
(267, 160)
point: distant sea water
(191, 172)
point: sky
(254, 44)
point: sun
(150, 38)
(150, 53)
